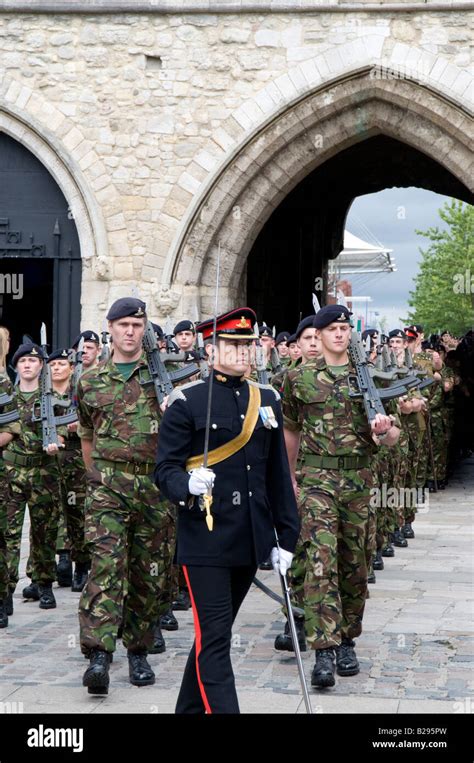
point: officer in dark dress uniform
(252, 499)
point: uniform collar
(111, 369)
(224, 380)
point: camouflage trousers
(37, 487)
(168, 585)
(416, 445)
(440, 451)
(424, 459)
(71, 534)
(3, 529)
(381, 473)
(126, 525)
(329, 573)
(400, 453)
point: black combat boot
(96, 677)
(81, 572)
(377, 562)
(47, 600)
(182, 601)
(431, 486)
(441, 484)
(159, 645)
(3, 614)
(346, 660)
(266, 565)
(169, 622)
(398, 539)
(408, 531)
(64, 569)
(388, 550)
(284, 642)
(371, 577)
(139, 669)
(323, 671)
(9, 603)
(31, 592)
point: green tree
(443, 297)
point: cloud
(392, 216)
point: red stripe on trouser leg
(197, 629)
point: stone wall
(137, 116)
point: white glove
(281, 560)
(201, 480)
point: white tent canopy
(360, 257)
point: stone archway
(286, 149)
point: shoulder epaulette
(178, 394)
(265, 386)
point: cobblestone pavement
(416, 651)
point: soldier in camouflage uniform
(72, 491)
(309, 345)
(7, 432)
(125, 515)
(431, 363)
(33, 479)
(185, 335)
(338, 526)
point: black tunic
(252, 496)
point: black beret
(126, 307)
(184, 326)
(62, 353)
(369, 332)
(416, 327)
(306, 323)
(265, 330)
(282, 337)
(29, 348)
(291, 339)
(88, 336)
(397, 333)
(331, 314)
(158, 330)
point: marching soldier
(33, 479)
(336, 540)
(7, 432)
(72, 491)
(294, 351)
(125, 516)
(282, 347)
(185, 335)
(251, 498)
(90, 349)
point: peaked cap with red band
(237, 324)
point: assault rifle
(48, 401)
(260, 362)
(161, 378)
(9, 416)
(373, 396)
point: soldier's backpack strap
(229, 448)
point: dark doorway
(307, 229)
(29, 291)
(38, 241)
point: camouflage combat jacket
(121, 417)
(316, 402)
(6, 388)
(30, 439)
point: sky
(392, 216)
